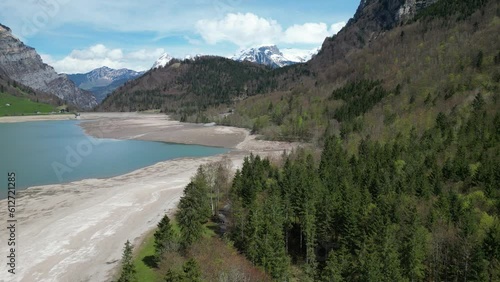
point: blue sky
(78, 36)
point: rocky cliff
(372, 18)
(23, 64)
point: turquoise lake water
(50, 152)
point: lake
(51, 152)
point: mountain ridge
(270, 55)
(104, 80)
(24, 65)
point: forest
(420, 208)
(400, 181)
(417, 208)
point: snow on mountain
(103, 76)
(192, 57)
(266, 55)
(270, 55)
(103, 81)
(162, 61)
(300, 55)
(109, 75)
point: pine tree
(174, 276)
(194, 210)
(164, 237)
(192, 271)
(128, 268)
(336, 266)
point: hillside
(424, 67)
(24, 65)
(11, 105)
(413, 47)
(24, 100)
(401, 183)
(189, 85)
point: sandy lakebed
(76, 231)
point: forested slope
(416, 208)
(406, 185)
(432, 65)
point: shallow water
(50, 152)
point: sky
(78, 36)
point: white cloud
(29, 17)
(241, 29)
(336, 27)
(311, 33)
(249, 29)
(82, 61)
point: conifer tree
(192, 213)
(164, 237)
(128, 268)
(192, 271)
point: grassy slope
(144, 251)
(21, 106)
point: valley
(372, 158)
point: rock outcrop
(372, 18)
(23, 64)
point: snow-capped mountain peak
(271, 55)
(300, 55)
(268, 55)
(162, 61)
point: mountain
(188, 84)
(299, 55)
(162, 61)
(270, 55)
(23, 65)
(411, 49)
(405, 102)
(372, 19)
(103, 81)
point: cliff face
(372, 18)
(23, 64)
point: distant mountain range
(103, 81)
(268, 55)
(24, 65)
(271, 55)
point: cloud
(30, 17)
(96, 56)
(241, 29)
(336, 27)
(306, 33)
(249, 29)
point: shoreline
(16, 119)
(62, 226)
